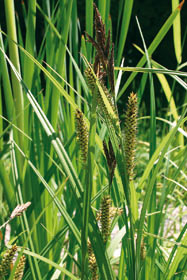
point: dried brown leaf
(19, 210)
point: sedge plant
(87, 170)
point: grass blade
(158, 38)
(89, 25)
(179, 253)
(13, 50)
(177, 33)
(163, 146)
(89, 184)
(57, 266)
(124, 27)
(152, 70)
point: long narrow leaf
(126, 16)
(163, 146)
(158, 38)
(177, 33)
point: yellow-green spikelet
(92, 262)
(105, 217)
(7, 260)
(82, 134)
(143, 250)
(130, 133)
(114, 119)
(110, 98)
(20, 268)
(90, 79)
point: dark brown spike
(106, 152)
(111, 160)
(111, 70)
(96, 66)
(99, 28)
(92, 41)
(107, 46)
(111, 150)
(100, 52)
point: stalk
(88, 184)
(14, 57)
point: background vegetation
(43, 56)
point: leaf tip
(181, 4)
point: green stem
(88, 184)
(14, 57)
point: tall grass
(66, 233)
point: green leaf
(179, 253)
(177, 33)
(124, 27)
(57, 266)
(157, 40)
(161, 148)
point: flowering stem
(88, 184)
